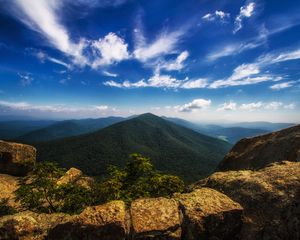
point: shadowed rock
(155, 218)
(16, 159)
(209, 214)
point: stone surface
(29, 226)
(209, 214)
(270, 197)
(16, 159)
(258, 152)
(105, 222)
(8, 184)
(155, 218)
(71, 176)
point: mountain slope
(172, 148)
(68, 128)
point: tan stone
(16, 159)
(105, 222)
(209, 214)
(270, 198)
(155, 218)
(71, 176)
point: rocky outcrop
(16, 159)
(210, 214)
(270, 198)
(156, 218)
(107, 222)
(151, 218)
(258, 152)
(29, 226)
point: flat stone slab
(156, 218)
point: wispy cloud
(25, 79)
(109, 74)
(230, 106)
(279, 86)
(176, 64)
(245, 12)
(244, 74)
(41, 16)
(218, 15)
(232, 49)
(164, 44)
(274, 105)
(160, 81)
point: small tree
(40, 192)
(138, 179)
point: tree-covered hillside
(173, 148)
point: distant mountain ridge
(68, 128)
(173, 148)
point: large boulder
(105, 222)
(16, 159)
(270, 198)
(209, 214)
(155, 218)
(258, 152)
(29, 225)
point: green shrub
(40, 192)
(5, 209)
(138, 179)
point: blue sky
(195, 59)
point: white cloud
(251, 106)
(25, 79)
(290, 106)
(217, 15)
(274, 105)
(196, 104)
(177, 64)
(194, 83)
(231, 106)
(102, 107)
(280, 86)
(24, 106)
(245, 12)
(108, 50)
(109, 74)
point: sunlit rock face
(258, 152)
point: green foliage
(40, 191)
(136, 180)
(5, 209)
